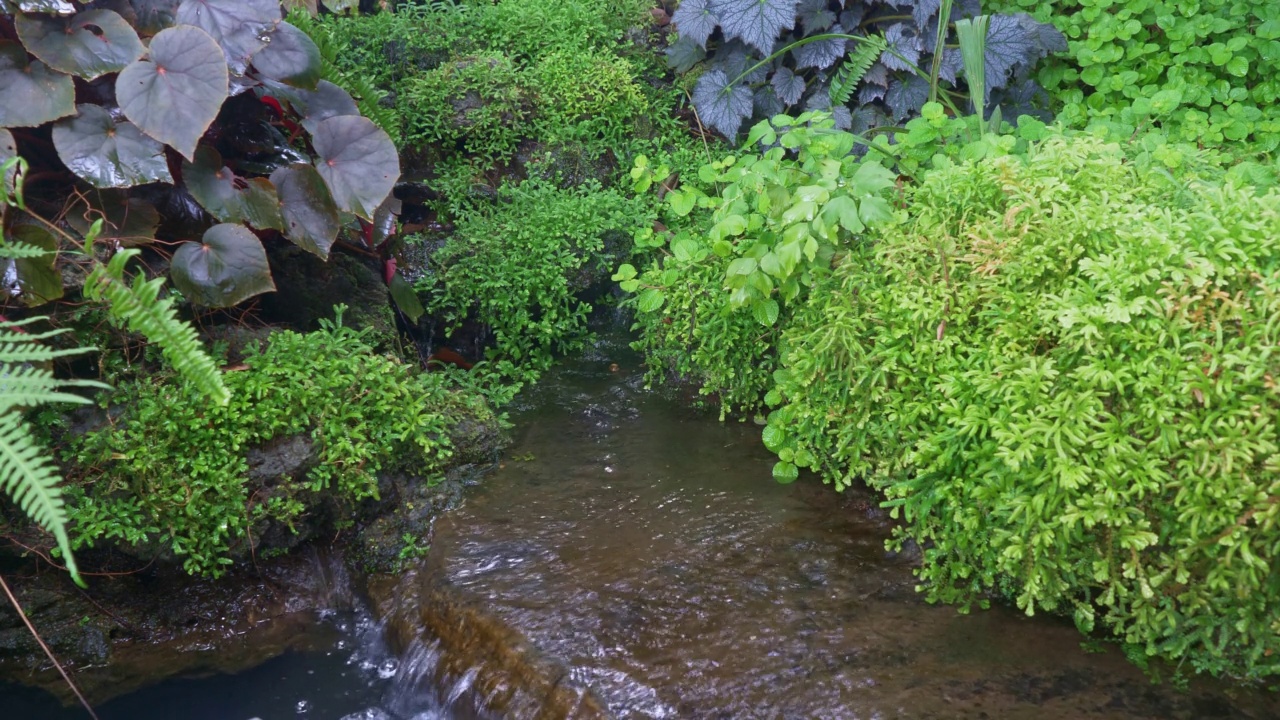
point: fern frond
(22, 352)
(15, 250)
(139, 306)
(30, 386)
(31, 479)
(854, 68)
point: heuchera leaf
(1016, 41)
(684, 53)
(128, 221)
(229, 198)
(756, 22)
(820, 54)
(109, 154)
(905, 41)
(814, 16)
(32, 94)
(240, 27)
(720, 106)
(788, 86)
(56, 7)
(227, 267)
(90, 44)
(175, 94)
(924, 10)
(291, 57)
(906, 95)
(765, 102)
(311, 218)
(358, 162)
(694, 21)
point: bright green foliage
(1061, 373)
(519, 268)
(590, 94)
(476, 105)
(773, 227)
(1206, 71)
(172, 469)
(527, 29)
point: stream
(643, 549)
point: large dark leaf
(326, 101)
(109, 154)
(814, 16)
(31, 95)
(291, 57)
(1015, 41)
(694, 21)
(92, 43)
(241, 27)
(38, 277)
(229, 198)
(175, 94)
(154, 15)
(127, 221)
(358, 162)
(903, 40)
(227, 267)
(684, 53)
(719, 105)
(311, 218)
(757, 22)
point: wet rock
(307, 288)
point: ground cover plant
(170, 472)
(1205, 72)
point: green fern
(26, 472)
(139, 306)
(854, 68)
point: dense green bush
(171, 471)
(476, 106)
(1206, 71)
(520, 267)
(1060, 372)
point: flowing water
(642, 551)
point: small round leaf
(175, 94)
(227, 267)
(107, 154)
(90, 44)
(33, 94)
(358, 162)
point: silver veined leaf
(788, 86)
(814, 16)
(757, 23)
(923, 10)
(684, 53)
(820, 54)
(903, 40)
(720, 105)
(1015, 41)
(906, 95)
(694, 21)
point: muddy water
(647, 548)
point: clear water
(645, 547)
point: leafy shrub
(1058, 373)
(477, 106)
(880, 78)
(1206, 72)
(172, 470)
(528, 29)
(203, 108)
(710, 306)
(520, 267)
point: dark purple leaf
(228, 266)
(109, 154)
(291, 58)
(787, 85)
(694, 21)
(32, 94)
(229, 198)
(176, 93)
(820, 54)
(757, 23)
(906, 95)
(358, 162)
(240, 27)
(311, 218)
(127, 221)
(720, 106)
(90, 44)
